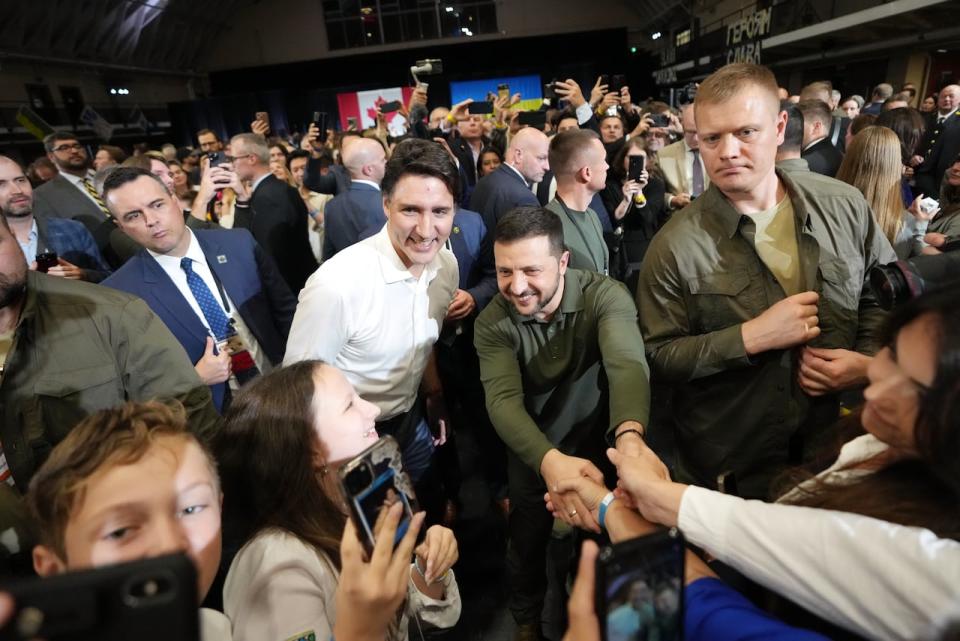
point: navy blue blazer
(248, 275)
(472, 244)
(351, 216)
(498, 192)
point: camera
(686, 94)
(426, 67)
(895, 283)
(358, 479)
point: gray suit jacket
(673, 163)
(60, 199)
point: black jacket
(823, 158)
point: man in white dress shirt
(376, 308)
(681, 164)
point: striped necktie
(88, 186)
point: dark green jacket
(702, 278)
(79, 348)
(548, 384)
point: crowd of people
(259, 310)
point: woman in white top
(283, 439)
(853, 561)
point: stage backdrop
(529, 88)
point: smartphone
(148, 600)
(535, 119)
(374, 481)
(636, 167)
(660, 120)
(639, 591)
(503, 90)
(605, 80)
(617, 82)
(390, 107)
(46, 260)
(264, 117)
(320, 122)
(217, 158)
(550, 90)
(351, 122)
(480, 108)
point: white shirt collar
(259, 180)
(517, 172)
(194, 252)
(392, 267)
(365, 182)
(77, 180)
(813, 143)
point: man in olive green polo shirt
(754, 301)
(562, 364)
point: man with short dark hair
(208, 141)
(77, 255)
(278, 217)
(611, 129)
(376, 308)
(216, 290)
(821, 155)
(788, 153)
(562, 363)
(754, 305)
(578, 161)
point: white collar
(76, 180)
(813, 143)
(365, 182)
(259, 180)
(194, 252)
(517, 172)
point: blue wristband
(604, 504)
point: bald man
(509, 186)
(358, 212)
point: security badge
(309, 635)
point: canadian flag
(362, 105)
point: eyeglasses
(72, 147)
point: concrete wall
(282, 31)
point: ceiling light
(656, 35)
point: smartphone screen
(640, 588)
(635, 168)
(480, 108)
(372, 483)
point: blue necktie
(212, 311)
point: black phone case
(634, 551)
(148, 600)
(636, 168)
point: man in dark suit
(278, 215)
(72, 194)
(821, 155)
(358, 212)
(509, 186)
(941, 142)
(216, 290)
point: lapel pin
(221, 259)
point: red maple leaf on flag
(372, 111)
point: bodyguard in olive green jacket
(79, 348)
(754, 302)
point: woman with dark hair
(184, 191)
(638, 206)
(889, 495)
(947, 222)
(488, 160)
(283, 440)
(909, 126)
(857, 125)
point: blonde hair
(873, 165)
(729, 80)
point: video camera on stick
(427, 67)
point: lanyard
(223, 295)
(596, 261)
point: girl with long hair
(283, 439)
(873, 164)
